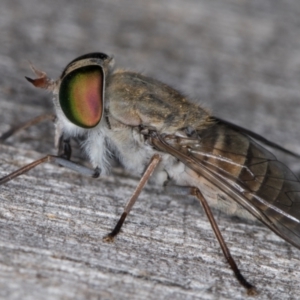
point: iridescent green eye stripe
(80, 96)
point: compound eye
(81, 96)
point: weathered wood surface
(239, 58)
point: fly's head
(79, 93)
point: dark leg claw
(110, 237)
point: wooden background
(240, 58)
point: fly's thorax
(135, 100)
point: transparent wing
(245, 171)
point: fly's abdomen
(253, 171)
(247, 173)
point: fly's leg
(64, 148)
(250, 288)
(186, 190)
(151, 167)
(23, 126)
(52, 159)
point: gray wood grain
(239, 58)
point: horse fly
(152, 129)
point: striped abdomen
(246, 172)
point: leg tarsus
(110, 237)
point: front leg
(52, 159)
(64, 148)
